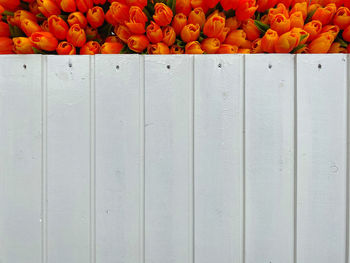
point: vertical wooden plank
(218, 153)
(322, 137)
(20, 159)
(68, 159)
(168, 159)
(119, 159)
(269, 158)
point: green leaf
(8, 13)
(145, 10)
(16, 31)
(40, 16)
(64, 17)
(309, 16)
(302, 37)
(173, 7)
(261, 26)
(341, 41)
(297, 48)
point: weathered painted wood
(68, 158)
(322, 171)
(269, 195)
(119, 159)
(218, 158)
(20, 159)
(169, 159)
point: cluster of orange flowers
(67, 27)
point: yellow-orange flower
(321, 44)
(65, 48)
(169, 35)
(90, 48)
(162, 14)
(190, 33)
(269, 40)
(22, 45)
(287, 42)
(44, 40)
(210, 45)
(138, 43)
(193, 47)
(159, 48)
(227, 49)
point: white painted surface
(168, 159)
(20, 159)
(269, 113)
(322, 137)
(218, 158)
(68, 158)
(119, 159)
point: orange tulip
(111, 48)
(269, 40)
(158, 49)
(169, 35)
(90, 48)
(139, 3)
(179, 21)
(10, 4)
(287, 42)
(210, 45)
(45, 26)
(48, 7)
(22, 45)
(113, 39)
(77, 18)
(214, 25)
(321, 44)
(227, 49)
(256, 46)
(223, 35)
(58, 27)
(212, 3)
(162, 14)
(334, 30)
(44, 40)
(296, 20)
(244, 51)
(251, 30)
(95, 16)
(193, 48)
(138, 43)
(154, 33)
(246, 44)
(84, 5)
(68, 6)
(338, 3)
(4, 30)
(236, 38)
(280, 24)
(33, 8)
(20, 15)
(118, 12)
(347, 4)
(325, 15)
(76, 35)
(302, 34)
(337, 48)
(230, 4)
(286, 3)
(190, 33)
(280, 9)
(175, 49)
(137, 21)
(6, 45)
(342, 18)
(197, 16)
(314, 28)
(123, 33)
(346, 34)
(246, 9)
(232, 23)
(300, 7)
(65, 48)
(200, 3)
(91, 33)
(183, 6)
(264, 5)
(29, 27)
(2, 9)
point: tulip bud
(190, 33)
(193, 48)
(223, 35)
(230, 4)
(244, 51)
(214, 26)
(169, 35)
(251, 30)
(4, 30)
(68, 6)
(280, 24)
(162, 14)
(232, 23)
(6, 45)
(321, 44)
(236, 38)
(200, 3)
(212, 3)
(296, 20)
(65, 48)
(45, 26)
(342, 18)
(10, 4)
(256, 46)
(325, 15)
(139, 3)
(22, 45)
(118, 12)
(158, 49)
(90, 48)
(227, 49)
(269, 40)
(77, 18)
(280, 9)
(76, 35)
(44, 41)
(123, 33)
(91, 33)
(314, 28)
(154, 33)
(210, 45)
(58, 27)
(175, 49)
(137, 21)
(33, 8)
(300, 7)
(197, 16)
(264, 5)
(346, 34)
(337, 48)
(95, 16)
(302, 34)
(179, 21)
(48, 7)
(183, 6)
(20, 15)
(29, 27)
(287, 42)
(246, 9)
(84, 5)
(333, 29)
(138, 43)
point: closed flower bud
(264, 5)
(154, 33)
(236, 38)
(246, 9)
(300, 7)
(84, 5)
(325, 14)
(123, 33)
(269, 40)
(138, 43)
(200, 3)
(175, 49)
(232, 23)
(280, 9)
(158, 49)
(286, 3)
(113, 39)
(65, 48)
(287, 42)
(214, 25)
(210, 45)
(223, 35)
(45, 26)
(230, 4)
(76, 35)
(139, 3)
(280, 24)
(342, 18)
(4, 30)
(256, 46)
(251, 30)
(44, 41)
(10, 4)
(314, 28)
(95, 16)
(193, 48)
(20, 15)
(100, 2)
(337, 48)
(321, 44)
(48, 7)
(190, 33)
(227, 49)
(68, 6)
(183, 6)
(302, 34)
(77, 18)
(197, 16)
(33, 8)
(6, 45)
(296, 20)
(58, 27)
(22, 45)
(333, 29)
(212, 3)
(169, 35)
(119, 13)
(29, 27)
(162, 14)
(137, 21)
(179, 21)
(244, 51)
(90, 48)
(346, 34)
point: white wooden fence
(174, 159)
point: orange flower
(346, 34)
(230, 4)
(269, 40)
(190, 33)
(223, 35)
(246, 9)
(210, 45)
(20, 15)
(84, 5)
(246, 44)
(58, 27)
(29, 27)
(227, 49)
(300, 7)
(77, 18)
(158, 49)
(264, 5)
(296, 20)
(334, 30)
(193, 48)
(45, 26)
(336, 48)
(95, 16)
(118, 12)
(22, 45)
(139, 3)
(48, 7)
(154, 33)
(90, 48)
(280, 24)
(91, 33)
(287, 42)
(68, 6)
(321, 44)
(111, 48)
(244, 51)
(312, 8)
(76, 35)
(4, 30)
(123, 33)
(256, 46)
(342, 18)
(214, 25)
(314, 28)
(302, 34)
(236, 38)
(175, 49)
(44, 40)
(200, 3)
(212, 3)
(6, 45)
(197, 16)
(169, 35)
(138, 43)
(183, 6)
(232, 23)
(113, 39)
(10, 4)
(179, 21)
(33, 8)
(65, 48)
(338, 3)
(162, 14)
(280, 9)
(137, 21)
(325, 15)
(286, 3)
(251, 30)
